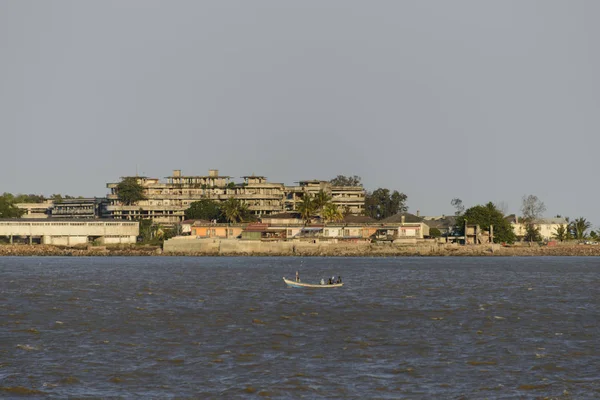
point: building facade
(547, 226)
(69, 232)
(90, 208)
(36, 210)
(166, 202)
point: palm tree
(321, 199)
(234, 210)
(331, 212)
(306, 207)
(580, 226)
(562, 233)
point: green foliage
(382, 203)
(58, 198)
(306, 207)
(532, 233)
(29, 198)
(484, 216)
(235, 210)
(129, 191)
(331, 212)
(346, 210)
(435, 232)
(562, 233)
(204, 209)
(320, 200)
(145, 229)
(533, 209)
(579, 228)
(231, 185)
(8, 208)
(342, 180)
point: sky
(476, 99)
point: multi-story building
(90, 208)
(166, 202)
(36, 210)
(261, 197)
(351, 198)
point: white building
(547, 226)
(70, 232)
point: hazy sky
(482, 100)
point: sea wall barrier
(233, 247)
(216, 247)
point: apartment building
(351, 198)
(167, 201)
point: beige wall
(547, 231)
(70, 231)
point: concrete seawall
(223, 247)
(210, 247)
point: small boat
(292, 283)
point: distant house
(444, 223)
(186, 226)
(206, 229)
(405, 225)
(262, 231)
(547, 226)
(311, 232)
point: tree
(145, 229)
(532, 209)
(204, 209)
(580, 227)
(381, 203)
(320, 200)
(484, 216)
(29, 198)
(235, 210)
(8, 208)
(306, 207)
(332, 212)
(532, 233)
(458, 205)
(342, 180)
(129, 191)
(435, 232)
(346, 210)
(59, 198)
(562, 233)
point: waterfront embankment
(77, 251)
(300, 249)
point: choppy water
(418, 328)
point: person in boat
(297, 277)
(322, 281)
(339, 279)
(330, 281)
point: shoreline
(370, 250)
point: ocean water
(203, 327)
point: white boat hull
(295, 284)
